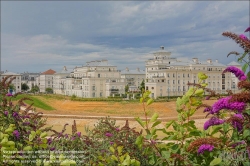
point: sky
(42, 35)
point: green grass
(37, 103)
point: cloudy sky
(37, 36)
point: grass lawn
(37, 102)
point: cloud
(44, 35)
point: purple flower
(205, 147)
(26, 123)
(248, 29)
(6, 113)
(207, 97)
(242, 36)
(111, 143)
(66, 136)
(207, 109)
(49, 141)
(236, 71)
(153, 142)
(9, 94)
(224, 103)
(212, 122)
(15, 114)
(73, 138)
(108, 135)
(236, 124)
(52, 149)
(117, 129)
(237, 144)
(79, 134)
(16, 134)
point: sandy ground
(112, 109)
(124, 109)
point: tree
(12, 88)
(126, 88)
(49, 90)
(24, 87)
(142, 86)
(35, 89)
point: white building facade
(16, 82)
(167, 76)
(95, 79)
(45, 80)
(59, 81)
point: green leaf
(242, 57)
(27, 148)
(244, 67)
(199, 92)
(33, 133)
(169, 124)
(246, 133)
(156, 123)
(141, 99)
(31, 137)
(138, 141)
(119, 148)
(248, 75)
(215, 161)
(165, 154)
(150, 101)
(202, 76)
(44, 134)
(216, 129)
(247, 111)
(138, 119)
(112, 149)
(190, 91)
(154, 117)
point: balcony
(114, 90)
(158, 77)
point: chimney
(64, 68)
(195, 60)
(209, 61)
(162, 47)
(127, 69)
(138, 69)
(216, 61)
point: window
(152, 88)
(99, 75)
(178, 81)
(173, 82)
(173, 75)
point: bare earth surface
(121, 110)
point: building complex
(163, 76)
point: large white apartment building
(167, 76)
(59, 81)
(45, 80)
(133, 78)
(16, 82)
(29, 78)
(95, 79)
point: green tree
(142, 86)
(126, 88)
(35, 89)
(24, 87)
(49, 90)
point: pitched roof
(10, 73)
(233, 63)
(49, 72)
